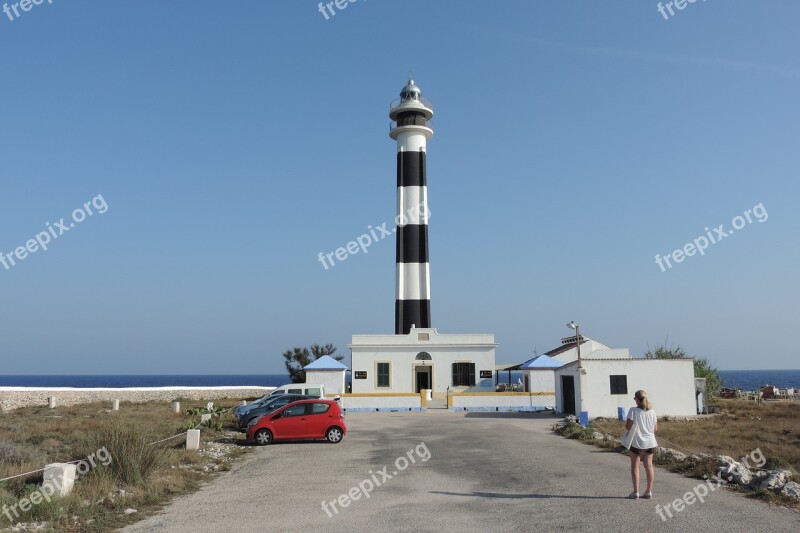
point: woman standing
(643, 417)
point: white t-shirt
(645, 423)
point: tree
(702, 366)
(297, 358)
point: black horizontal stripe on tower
(411, 169)
(412, 243)
(408, 312)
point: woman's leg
(649, 471)
(635, 471)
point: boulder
(776, 480)
(791, 490)
(738, 474)
(670, 455)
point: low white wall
(502, 401)
(16, 397)
(381, 402)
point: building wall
(333, 380)
(380, 402)
(543, 380)
(668, 382)
(501, 401)
(400, 351)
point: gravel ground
(486, 472)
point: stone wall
(16, 397)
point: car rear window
(319, 408)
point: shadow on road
(526, 496)
(506, 414)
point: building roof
(326, 362)
(566, 346)
(540, 362)
(627, 359)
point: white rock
(130, 511)
(792, 490)
(775, 480)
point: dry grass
(740, 429)
(149, 476)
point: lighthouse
(411, 129)
(416, 358)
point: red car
(304, 419)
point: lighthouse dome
(411, 90)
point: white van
(309, 389)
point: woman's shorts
(639, 451)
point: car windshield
(280, 402)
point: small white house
(422, 359)
(568, 351)
(603, 386)
(539, 372)
(329, 372)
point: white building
(422, 359)
(329, 372)
(539, 372)
(603, 386)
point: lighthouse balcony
(411, 103)
(418, 106)
(410, 121)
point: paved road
(484, 472)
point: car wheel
(263, 437)
(334, 435)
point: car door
(318, 419)
(292, 423)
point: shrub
(133, 461)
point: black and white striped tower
(411, 129)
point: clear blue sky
(233, 142)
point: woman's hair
(642, 396)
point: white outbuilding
(603, 387)
(539, 372)
(329, 372)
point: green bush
(133, 459)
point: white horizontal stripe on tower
(413, 281)
(411, 142)
(412, 205)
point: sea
(741, 379)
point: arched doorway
(423, 373)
